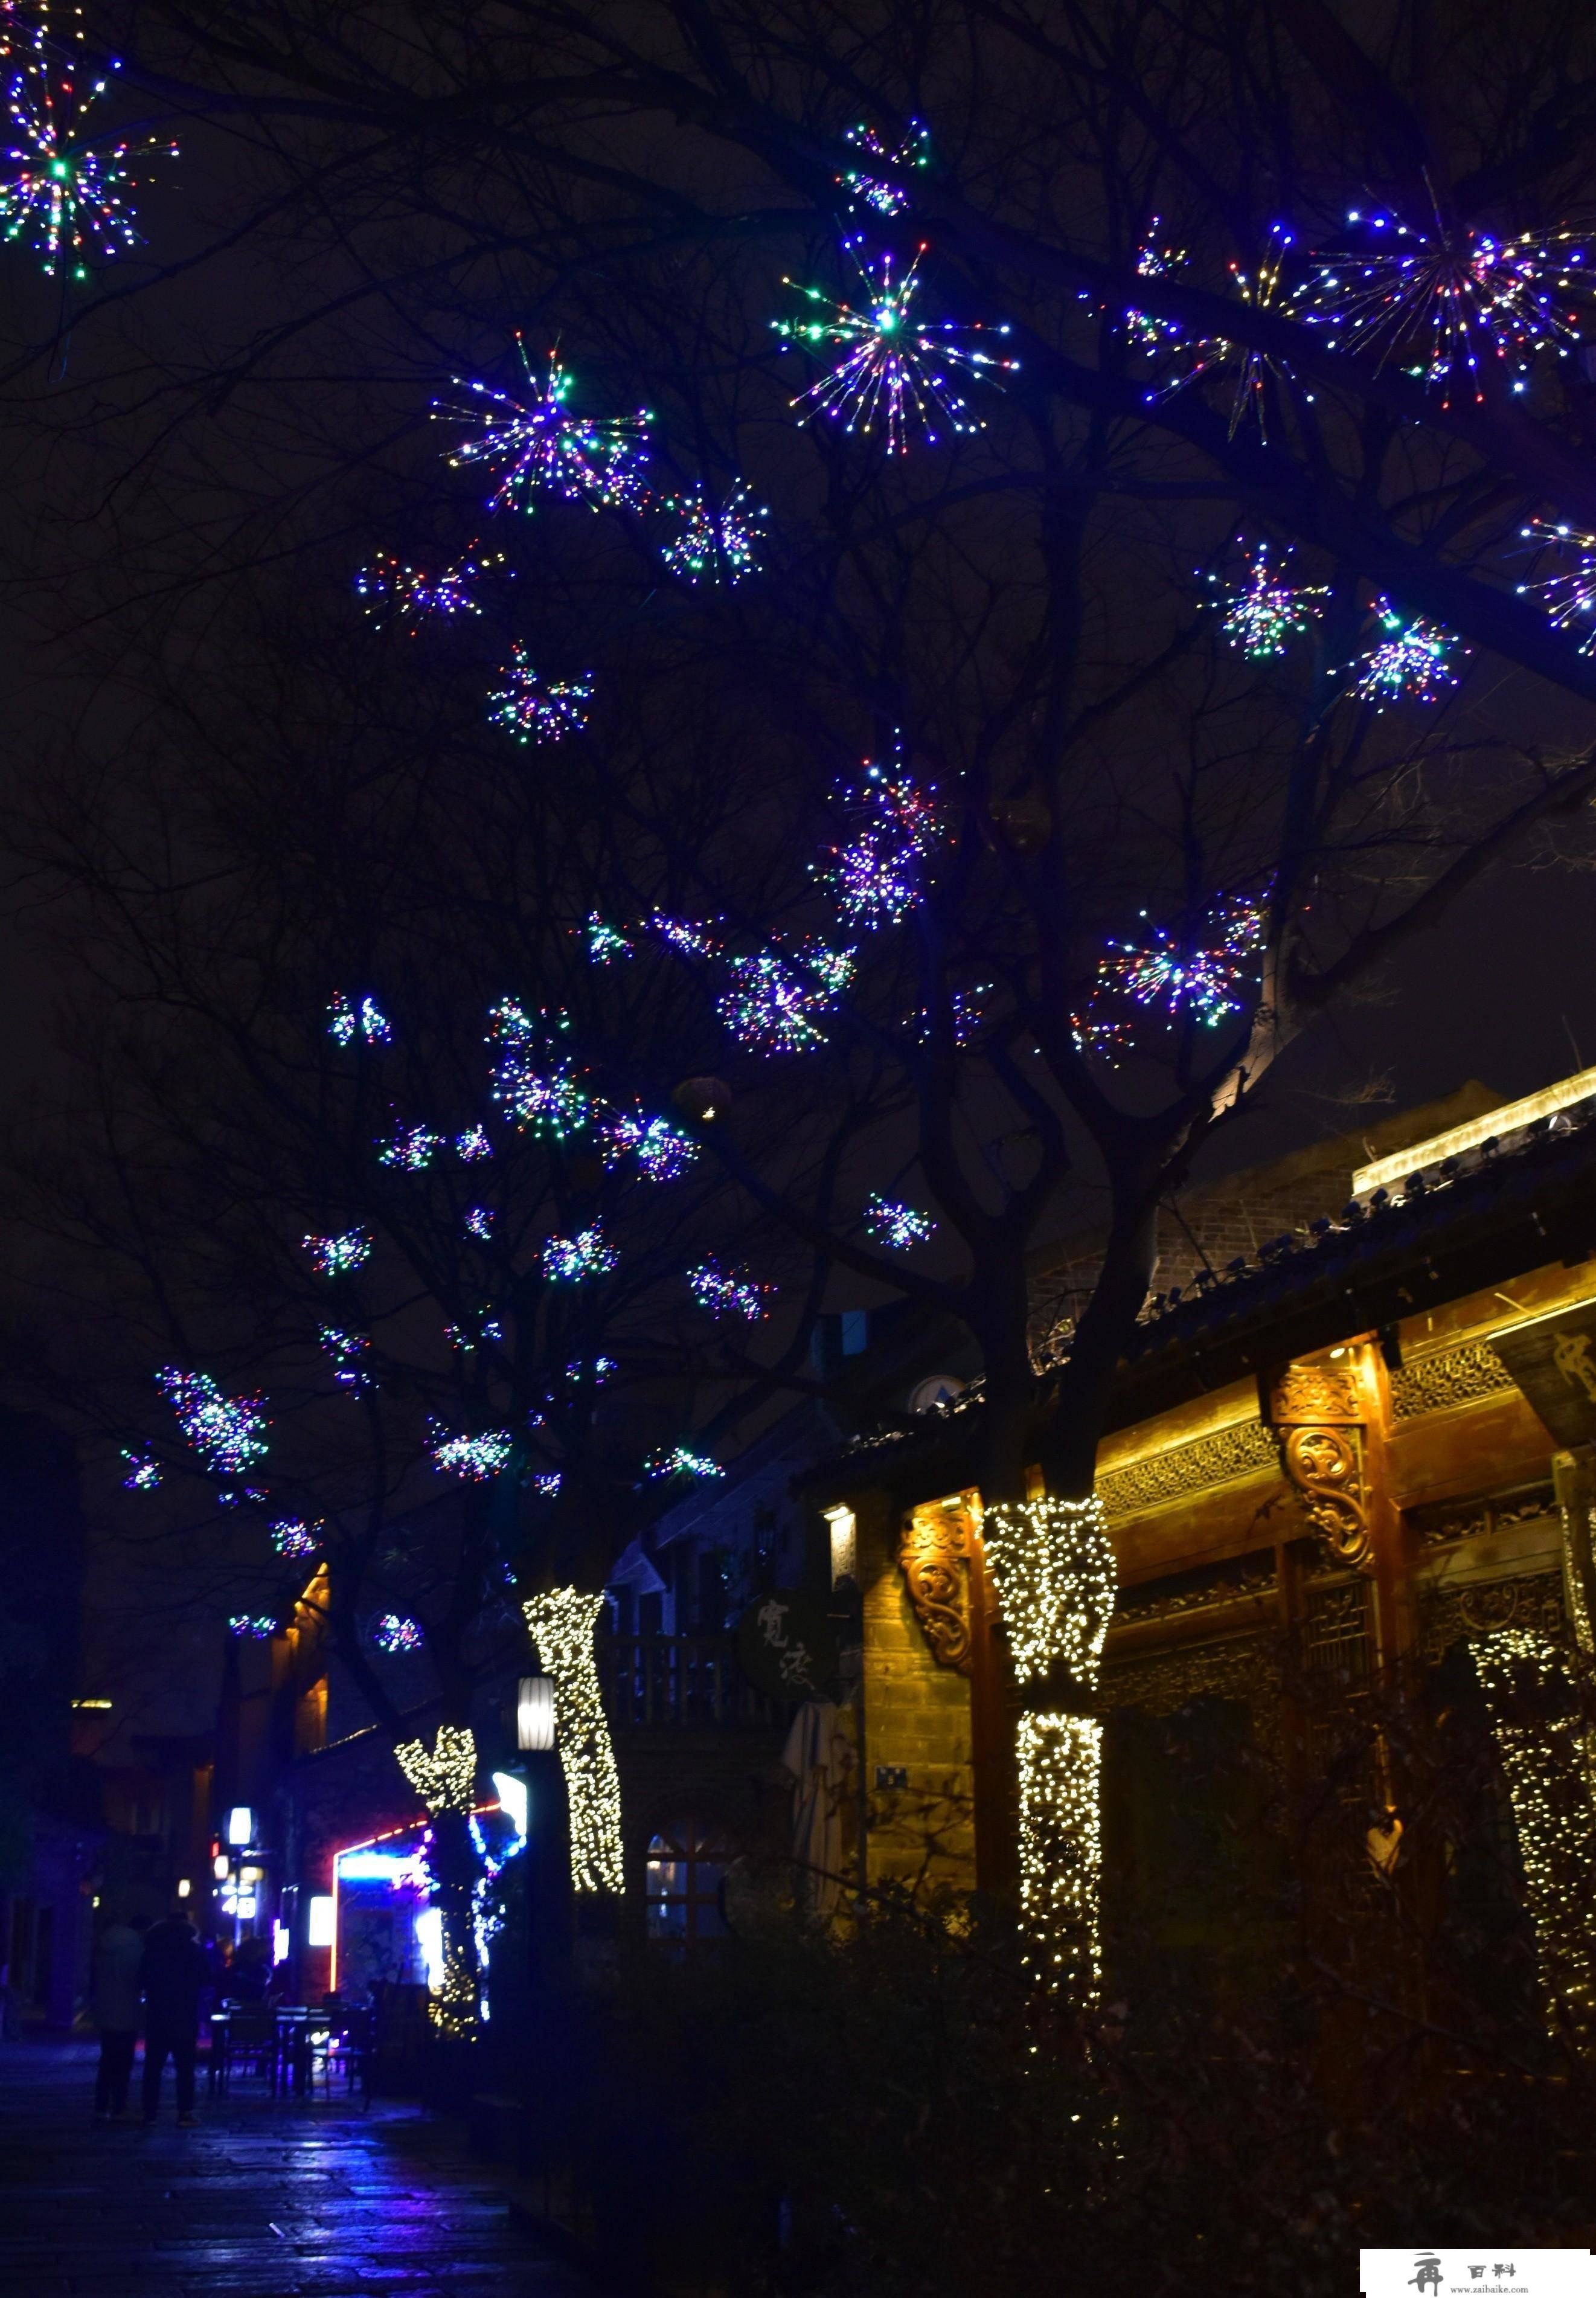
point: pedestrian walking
(172, 1972)
(119, 1959)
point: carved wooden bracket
(934, 1557)
(1317, 1413)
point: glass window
(687, 1866)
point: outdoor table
(293, 2061)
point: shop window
(686, 1869)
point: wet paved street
(263, 2197)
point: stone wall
(917, 1720)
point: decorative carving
(1221, 1586)
(1489, 1515)
(1450, 1377)
(1242, 1449)
(1244, 1668)
(1524, 1599)
(934, 1558)
(1316, 1392)
(1326, 1468)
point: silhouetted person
(248, 1973)
(172, 1973)
(119, 1959)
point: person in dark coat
(119, 1959)
(172, 1973)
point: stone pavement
(271, 2198)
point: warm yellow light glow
(1496, 1124)
(1535, 1720)
(184, 1886)
(845, 1543)
(221, 1866)
(1054, 1570)
(444, 1775)
(561, 1623)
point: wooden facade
(1326, 1562)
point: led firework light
(66, 185)
(348, 1353)
(889, 367)
(713, 542)
(1448, 304)
(411, 1149)
(394, 592)
(866, 189)
(346, 1022)
(532, 1077)
(730, 1293)
(605, 943)
(561, 1623)
(877, 874)
(1054, 1570)
(680, 1461)
(572, 1259)
(1568, 593)
(340, 1255)
(253, 1627)
(291, 1536)
(896, 1225)
(543, 448)
(395, 1632)
(144, 1472)
(1407, 660)
(1263, 611)
(1197, 974)
(535, 710)
(777, 1004)
(228, 1433)
(475, 1458)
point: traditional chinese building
(1348, 1478)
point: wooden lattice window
(686, 1869)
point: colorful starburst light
(476, 1457)
(472, 1146)
(1185, 361)
(1195, 974)
(1155, 259)
(545, 449)
(1568, 593)
(339, 1256)
(546, 1484)
(67, 186)
(395, 1631)
(291, 1536)
(1407, 660)
(896, 1225)
(536, 709)
(411, 1150)
(680, 1461)
(1451, 305)
(605, 943)
(877, 875)
(1262, 612)
(144, 1472)
(479, 1222)
(229, 1433)
(730, 1291)
(395, 592)
(866, 189)
(532, 1077)
(777, 1004)
(890, 368)
(687, 938)
(572, 1259)
(255, 1627)
(662, 1152)
(346, 1022)
(712, 542)
(348, 1352)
